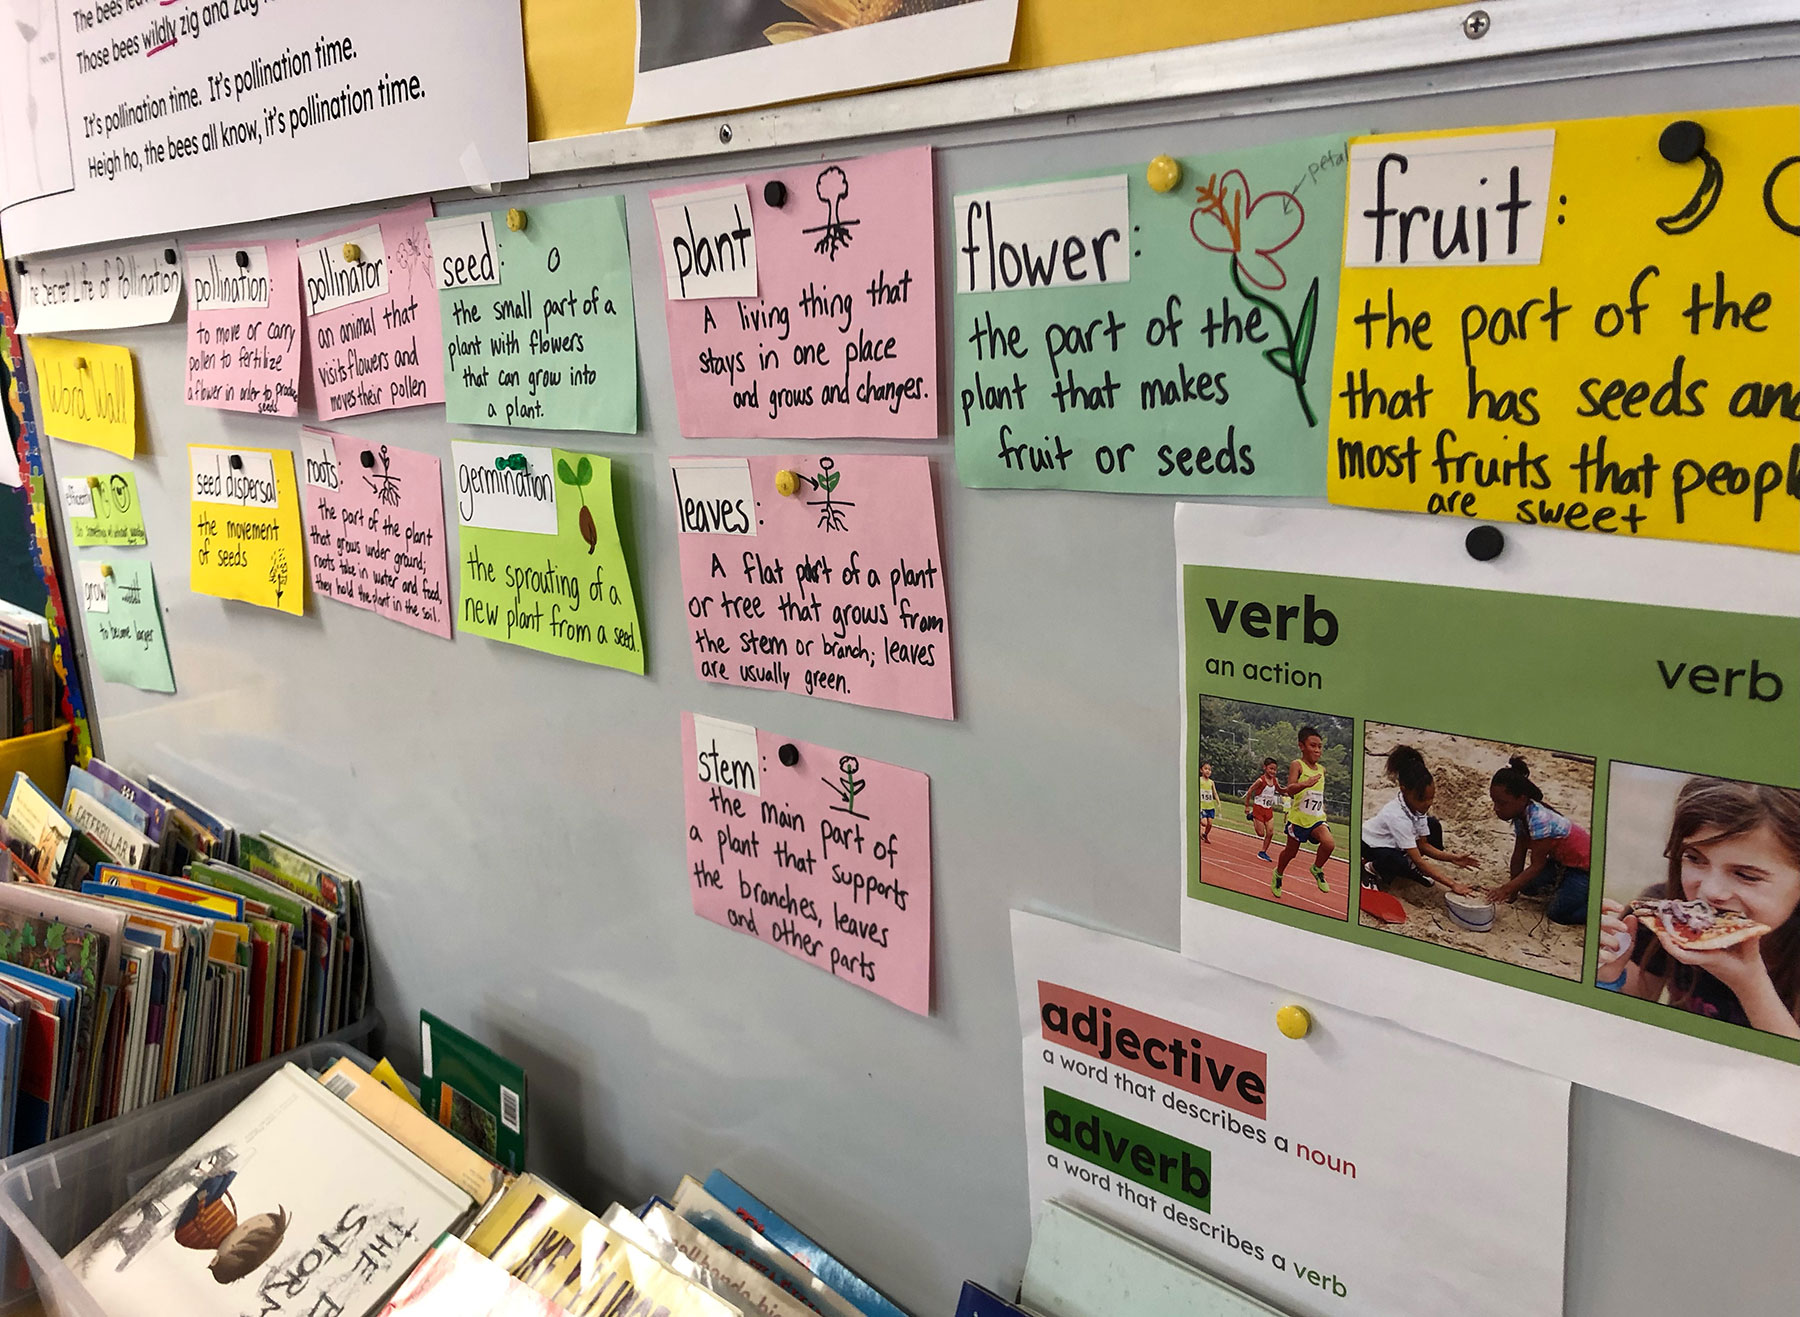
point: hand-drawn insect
(848, 786)
(385, 483)
(831, 511)
(578, 477)
(834, 234)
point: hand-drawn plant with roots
(578, 477)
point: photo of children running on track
(1289, 770)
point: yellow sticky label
(88, 392)
(1638, 375)
(246, 537)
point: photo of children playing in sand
(1477, 845)
(1274, 804)
(1702, 896)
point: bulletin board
(518, 817)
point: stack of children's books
(146, 947)
(30, 690)
(344, 1194)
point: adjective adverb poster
(375, 528)
(1111, 337)
(243, 341)
(1161, 1096)
(1555, 325)
(539, 330)
(246, 538)
(1579, 856)
(817, 576)
(373, 337)
(541, 562)
(812, 319)
(823, 854)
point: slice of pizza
(1695, 925)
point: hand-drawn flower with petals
(1251, 229)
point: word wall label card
(820, 576)
(538, 325)
(802, 303)
(1162, 1097)
(103, 509)
(375, 529)
(822, 854)
(373, 337)
(542, 565)
(125, 634)
(246, 538)
(1111, 337)
(1590, 324)
(243, 342)
(88, 392)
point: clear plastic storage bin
(51, 1198)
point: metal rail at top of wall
(1464, 47)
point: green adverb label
(1142, 1155)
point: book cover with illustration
(472, 1091)
(291, 1203)
(456, 1281)
(543, 1237)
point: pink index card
(375, 528)
(243, 338)
(374, 340)
(827, 857)
(842, 338)
(835, 590)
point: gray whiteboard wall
(518, 818)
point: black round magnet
(789, 755)
(235, 462)
(1484, 543)
(368, 459)
(243, 260)
(169, 255)
(775, 193)
(1682, 141)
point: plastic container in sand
(54, 1196)
(1471, 912)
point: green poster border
(1579, 992)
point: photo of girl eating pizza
(1702, 900)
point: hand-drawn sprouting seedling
(831, 511)
(848, 786)
(834, 234)
(209, 1221)
(579, 476)
(278, 572)
(1251, 229)
(385, 483)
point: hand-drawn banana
(1682, 141)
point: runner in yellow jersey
(1209, 802)
(1306, 816)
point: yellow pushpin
(93, 482)
(106, 569)
(1164, 174)
(352, 253)
(787, 483)
(1294, 1021)
(515, 220)
(80, 363)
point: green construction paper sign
(541, 563)
(126, 642)
(538, 323)
(1114, 338)
(112, 500)
(1618, 711)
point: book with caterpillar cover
(293, 1203)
